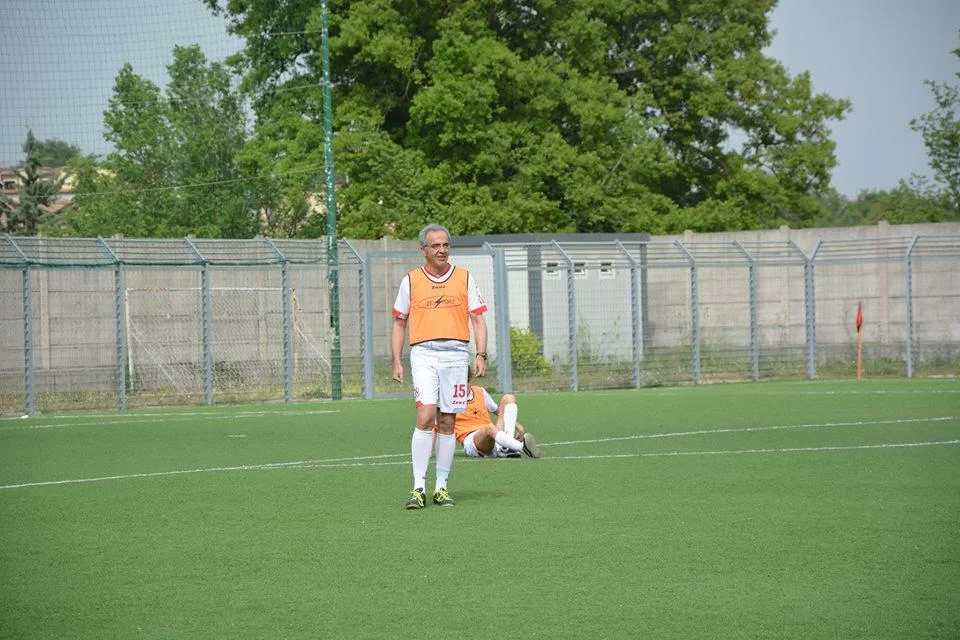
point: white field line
(673, 391)
(134, 416)
(669, 454)
(132, 420)
(676, 434)
(380, 460)
(363, 461)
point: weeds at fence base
(659, 368)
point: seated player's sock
(507, 442)
(421, 446)
(446, 447)
(510, 420)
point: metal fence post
(287, 322)
(908, 295)
(287, 333)
(636, 326)
(501, 292)
(119, 314)
(205, 324)
(694, 311)
(366, 331)
(754, 329)
(365, 320)
(810, 306)
(645, 325)
(28, 405)
(571, 319)
(535, 289)
(27, 345)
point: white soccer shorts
(440, 377)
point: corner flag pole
(333, 261)
(859, 321)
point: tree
(940, 129)
(174, 170)
(913, 201)
(495, 117)
(55, 153)
(35, 192)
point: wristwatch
(482, 354)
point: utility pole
(333, 262)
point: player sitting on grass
(482, 438)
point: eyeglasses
(436, 246)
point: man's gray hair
(427, 229)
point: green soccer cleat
(443, 498)
(418, 498)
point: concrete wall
(74, 327)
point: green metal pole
(332, 258)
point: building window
(552, 272)
(580, 270)
(606, 271)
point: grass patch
(777, 509)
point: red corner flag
(859, 339)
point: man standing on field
(438, 302)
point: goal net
(166, 351)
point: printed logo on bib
(438, 302)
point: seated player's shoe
(418, 498)
(443, 498)
(530, 445)
(503, 452)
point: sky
(61, 57)
(877, 54)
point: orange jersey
(438, 310)
(474, 417)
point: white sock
(507, 442)
(420, 447)
(446, 447)
(510, 420)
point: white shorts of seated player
(505, 438)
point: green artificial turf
(757, 510)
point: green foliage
(911, 202)
(940, 129)
(35, 192)
(491, 117)
(227, 374)
(174, 169)
(55, 153)
(526, 351)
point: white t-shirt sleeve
(488, 400)
(401, 307)
(475, 301)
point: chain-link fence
(95, 323)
